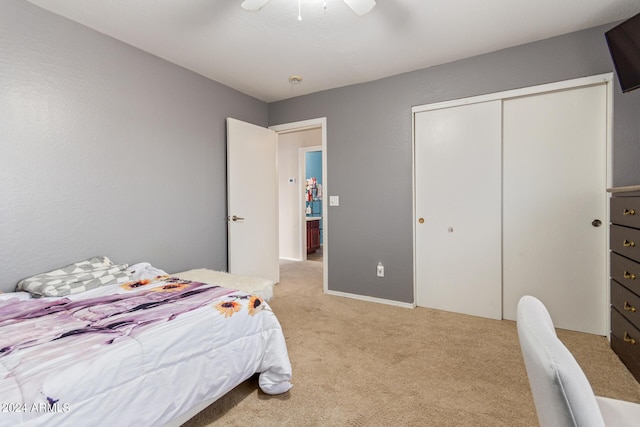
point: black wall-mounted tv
(624, 45)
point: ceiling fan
(360, 7)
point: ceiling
(257, 52)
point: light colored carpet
(357, 363)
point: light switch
(334, 200)
(292, 180)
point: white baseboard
(371, 299)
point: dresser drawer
(625, 341)
(625, 272)
(627, 303)
(625, 241)
(625, 211)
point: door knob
(596, 223)
(234, 218)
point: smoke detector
(294, 80)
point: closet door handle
(628, 339)
(628, 243)
(628, 275)
(629, 212)
(628, 307)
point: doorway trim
(320, 123)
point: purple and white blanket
(140, 353)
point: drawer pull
(628, 307)
(628, 243)
(628, 275)
(629, 212)
(628, 339)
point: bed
(147, 351)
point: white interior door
(458, 209)
(554, 187)
(252, 200)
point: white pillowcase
(21, 296)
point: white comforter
(140, 354)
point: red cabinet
(313, 235)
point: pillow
(74, 278)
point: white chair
(561, 392)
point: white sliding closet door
(554, 152)
(458, 209)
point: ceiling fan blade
(253, 5)
(360, 7)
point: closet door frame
(606, 78)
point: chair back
(561, 392)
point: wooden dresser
(624, 242)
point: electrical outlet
(380, 270)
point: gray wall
(107, 150)
(369, 147)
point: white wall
(290, 194)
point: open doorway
(302, 211)
(311, 177)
